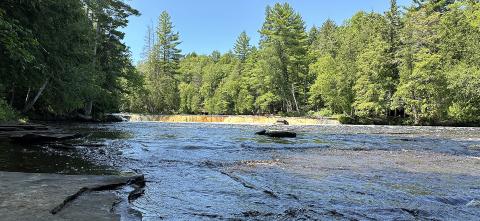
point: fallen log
(277, 133)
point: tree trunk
(415, 115)
(30, 104)
(294, 98)
(27, 97)
(88, 108)
(12, 97)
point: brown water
(223, 172)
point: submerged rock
(474, 203)
(277, 133)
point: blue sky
(207, 25)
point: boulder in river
(114, 118)
(282, 122)
(277, 133)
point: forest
(64, 59)
(415, 65)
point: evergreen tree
(421, 88)
(242, 46)
(326, 41)
(285, 38)
(161, 68)
(165, 50)
(394, 26)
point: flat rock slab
(32, 196)
(35, 133)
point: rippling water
(215, 171)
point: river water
(226, 172)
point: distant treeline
(414, 65)
(63, 58)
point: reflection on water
(42, 159)
(212, 171)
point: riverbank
(52, 197)
(51, 194)
(231, 119)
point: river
(225, 172)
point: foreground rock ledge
(33, 196)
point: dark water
(223, 172)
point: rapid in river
(222, 172)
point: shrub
(6, 112)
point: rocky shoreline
(36, 196)
(44, 196)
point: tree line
(64, 58)
(414, 65)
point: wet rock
(35, 134)
(113, 118)
(43, 138)
(294, 212)
(53, 197)
(277, 133)
(22, 127)
(334, 213)
(262, 132)
(93, 145)
(61, 146)
(282, 122)
(452, 200)
(251, 213)
(136, 193)
(474, 147)
(474, 203)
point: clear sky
(207, 25)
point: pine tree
(166, 52)
(326, 41)
(242, 46)
(161, 68)
(285, 39)
(394, 26)
(421, 88)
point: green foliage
(325, 112)
(6, 112)
(285, 43)
(464, 83)
(371, 87)
(421, 91)
(58, 56)
(242, 47)
(160, 70)
(418, 65)
(324, 91)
